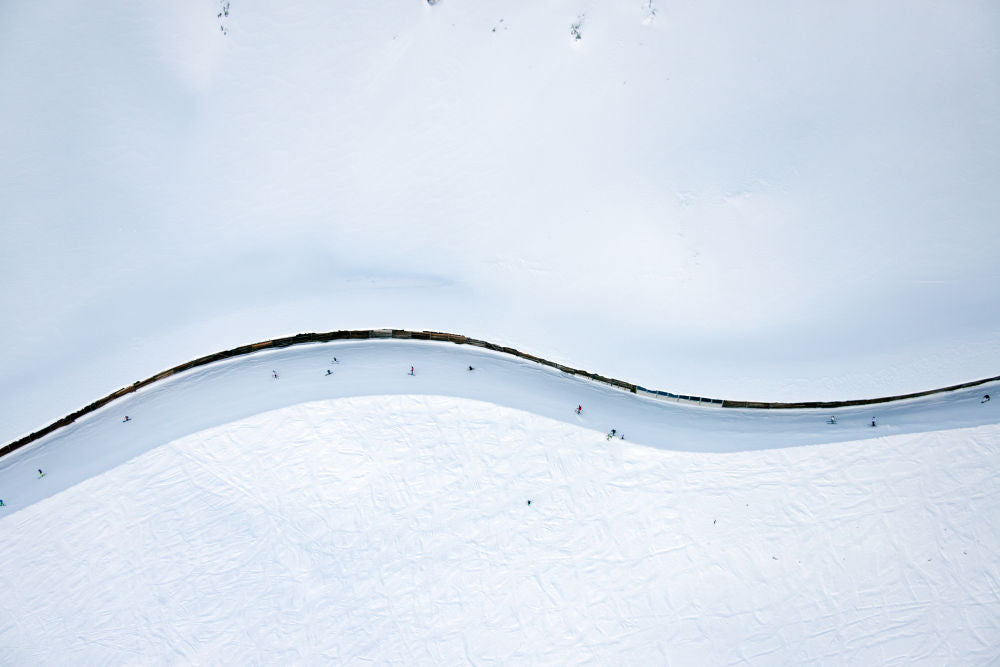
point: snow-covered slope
(373, 515)
(397, 529)
(227, 391)
(752, 201)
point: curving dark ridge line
(303, 338)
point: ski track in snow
(231, 390)
(395, 528)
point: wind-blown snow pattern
(370, 515)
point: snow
(376, 516)
(760, 202)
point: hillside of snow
(760, 201)
(370, 515)
(756, 201)
(398, 530)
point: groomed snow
(394, 526)
(396, 529)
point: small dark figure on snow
(529, 502)
(579, 409)
(274, 374)
(1, 502)
(873, 422)
(335, 360)
(127, 419)
(471, 368)
(329, 372)
(832, 420)
(412, 371)
(40, 473)
(986, 399)
(613, 431)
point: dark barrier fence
(300, 339)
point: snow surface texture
(395, 526)
(759, 200)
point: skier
(40, 473)
(274, 374)
(412, 372)
(579, 409)
(986, 399)
(471, 368)
(2, 505)
(127, 419)
(335, 360)
(832, 420)
(873, 422)
(329, 372)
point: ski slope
(375, 516)
(749, 201)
